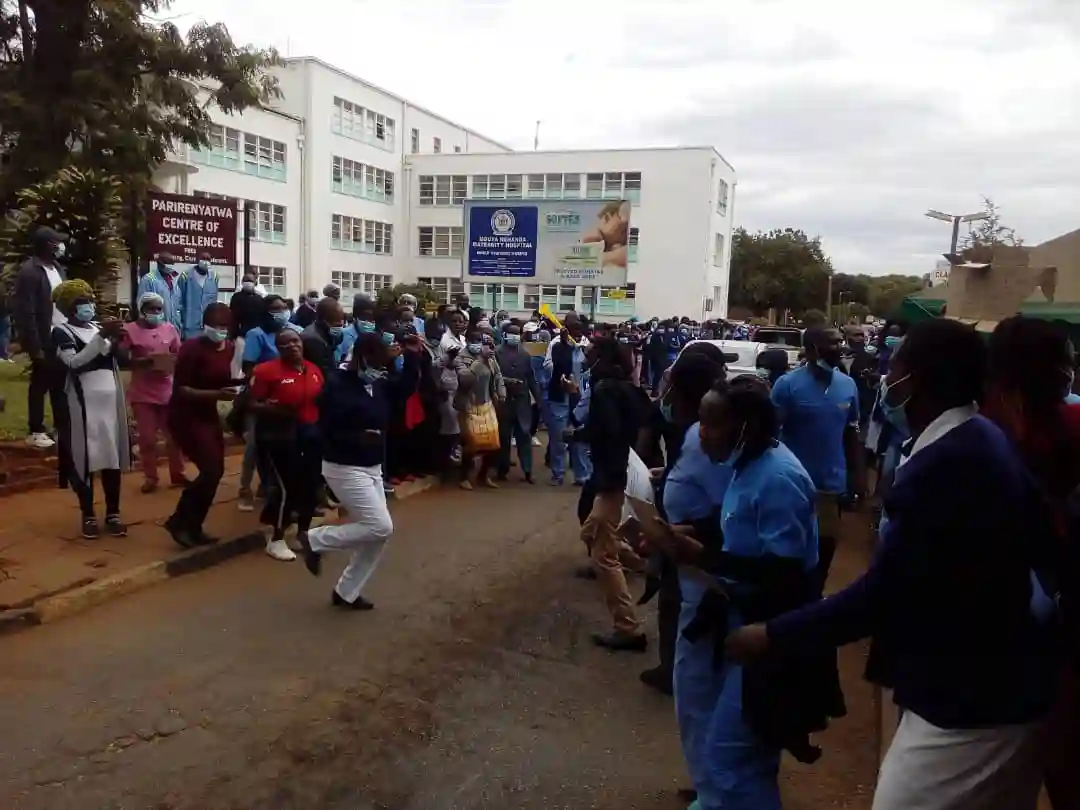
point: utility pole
(955, 220)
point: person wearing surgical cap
(332, 290)
(153, 344)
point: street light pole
(955, 220)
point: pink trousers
(150, 422)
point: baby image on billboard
(576, 241)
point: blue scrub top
(813, 419)
(769, 509)
(695, 486)
(259, 346)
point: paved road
(472, 686)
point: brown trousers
(599, 533)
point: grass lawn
(13, 385)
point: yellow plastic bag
(480, 429)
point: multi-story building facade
(349, 183)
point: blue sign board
(502, 240)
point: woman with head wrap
(94, 438)
(153, 344)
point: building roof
(334, 69)
(712, 149)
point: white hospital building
(352, 184)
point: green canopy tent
(922, 306)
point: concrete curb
(68, 603)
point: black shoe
(180, 534)
(90, 530)
(360, 604)
(312, 559)
(115, 527)
(201, 538)
(658, 679)
(529, 478)
(621, 642)
(585, 572)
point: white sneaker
(279, 550)
(536, 441)
(40, 441)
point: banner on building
(579, 242)
(188, 227)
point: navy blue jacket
(947, 597)
(347, 409)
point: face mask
(84, 313)
(365, 327)
(337, 333)
(892, 341)
(155, 318)
(61, 250)
(248, 286)
(737, 452)
(388, 338)
(825, 365)
(215, 335)
(399, 363)
(203, 267)
(280, 318)
(894, 412)
(474, 348)
(513, 340)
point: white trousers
(931, 768)
(360, 491)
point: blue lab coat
(193, 298)
(155, 282)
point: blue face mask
(892, 341)
(154, 318)
(215, 335)
(337, 333)
(399, 362)
(894, 412)
(388, 338)
(474, 348)
(280, 318)
(84, 313)
(512, 340)
(365, 327)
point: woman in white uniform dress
(95, 440)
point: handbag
(480, 428)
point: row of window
(361, 180)
(265, 220)
(449, 241)
(361, 235)
(453, 189)
(436, 143)
(351, 120)
(370, 283)
(530, 296)
(243, 152)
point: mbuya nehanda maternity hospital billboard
(548, 242)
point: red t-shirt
(297, 390)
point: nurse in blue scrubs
(765, 556)
(693, 494)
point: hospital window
(271, 278)
(373, 282)
(632, 245)
(722, 198)
(353, 121)
(441, 240)
(718, 251)
(349, 282)
(436, 145)
(443, 189)
(439, 286)
(361, 235)
(361, 180)
(264, 157)
(267, 222)
(594, 186)
(415, 141)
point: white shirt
(950, 420)
(54, 281)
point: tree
(986, 234)
(87, 206)
(887, 293)
(426, 298)
(100, 84)
(784, 269)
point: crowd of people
(727, 495)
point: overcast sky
(845, 119)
